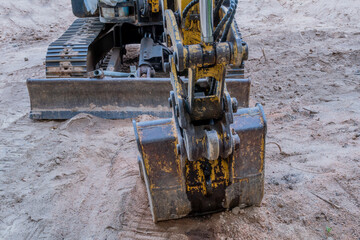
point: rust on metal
(179, 188)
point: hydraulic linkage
(210, 155)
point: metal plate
(112, 98)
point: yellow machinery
(209, 155)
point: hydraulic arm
(209, 156)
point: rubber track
(67, 56)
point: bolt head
(234, 104)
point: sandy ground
(79, 179)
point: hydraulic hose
(188, 7)
(221, 24)
(228, 24)
(228, 18)
(217, 7)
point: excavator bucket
(177, 187)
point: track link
(67, 56)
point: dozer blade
(176, 186)
(112, 98)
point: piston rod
(206, 20)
